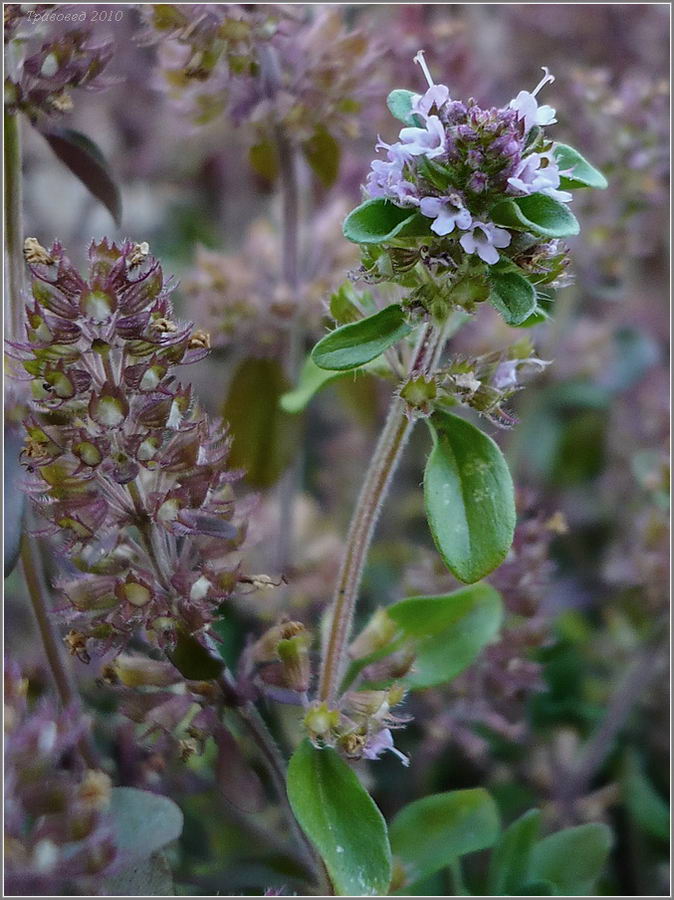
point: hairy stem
(13, 226)
(385, 459)
(62, 676)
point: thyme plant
(129, 480)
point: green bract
(399, 103)
(341, 819)
(512, 295)
(448, 631)
(360, 342)
(582, 173)
(469, 498)
(537, 213)
(376, 221)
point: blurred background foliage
(569, 710)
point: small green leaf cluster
(364, 858)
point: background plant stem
(13, 226)
(31, 565)
(385, 459)
(289, 483)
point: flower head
(116, 446)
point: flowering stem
(32, 573)
(13, 224)
(385, 459)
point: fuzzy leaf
(378, 220)
(143, 823)
(513, 296)
(449, 631)
(15, 498)
(323, 152)
(469, 498)
(399, 103)
(85, 160)
(537, 213)
(509, 863)
(431, 833)
(572, 859)
(360, 342)
(263, 433)
(341, 820)
(238, 783)
(582, 173)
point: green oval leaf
(360, 342)
(537, 213)
(572, 859)
(341, 819)
(376, 221)
(513, 296)
(431, 833)
(313, 379)
(399, 103)
(582, 173)
(142, 823)
(469, 498)
(510, 860)
(449, 631)
(264, 435)
(85, 160)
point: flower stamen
(419, 59)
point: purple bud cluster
(42, 67)
(122, 465)
(57, 841)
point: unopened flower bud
(321, 721)
(294, 655)
(378, 632)
(265, 649)
(199, 339)
(139, 671)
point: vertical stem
(384, 462)
(385, 459)
(63, 680)
(293, 351)
(277, 770)
(13, 225)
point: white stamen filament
(419, 59)
(546, 79)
